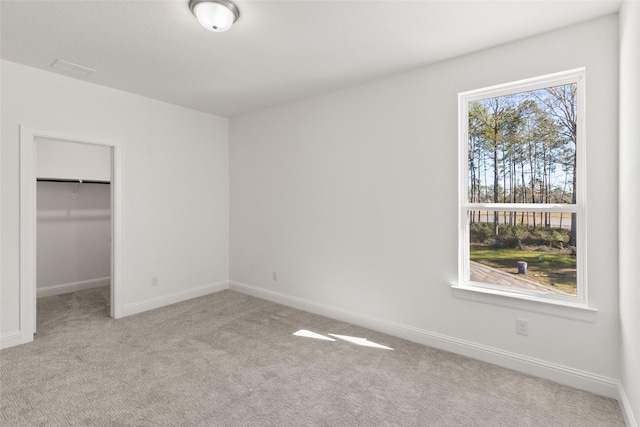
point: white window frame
(579, 208)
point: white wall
(71, 160)
(630, 205)
(174, 178)
(73, 237)
(352, 198)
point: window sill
(532, 303)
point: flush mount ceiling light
(215, 15)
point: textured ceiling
(277, 52)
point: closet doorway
(73, 219)
(70, 210)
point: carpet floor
(228, 359)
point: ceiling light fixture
(215, 15)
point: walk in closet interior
(73, 217)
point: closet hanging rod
(79, 181)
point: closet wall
(72, 160)
(73, 219)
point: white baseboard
(625, 406)
(576, 378)
(10, 339)
(163, 300)
(65, 288)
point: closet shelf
(80, 181)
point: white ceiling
(277, 52)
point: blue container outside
(522, 267)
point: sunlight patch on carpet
(361, 341)
(309, 334)
(353, 340)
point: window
(522, 188)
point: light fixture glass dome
(215, 15)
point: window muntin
(522, 189)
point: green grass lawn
(555, 269)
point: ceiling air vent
(70, 68)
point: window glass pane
(507, 249)
(522, 147)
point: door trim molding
(28, 136)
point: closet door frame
(28, 137)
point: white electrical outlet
(522, 327)
(154, 281)
(274, 276)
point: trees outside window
(522, 191)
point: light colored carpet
(229, 359)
